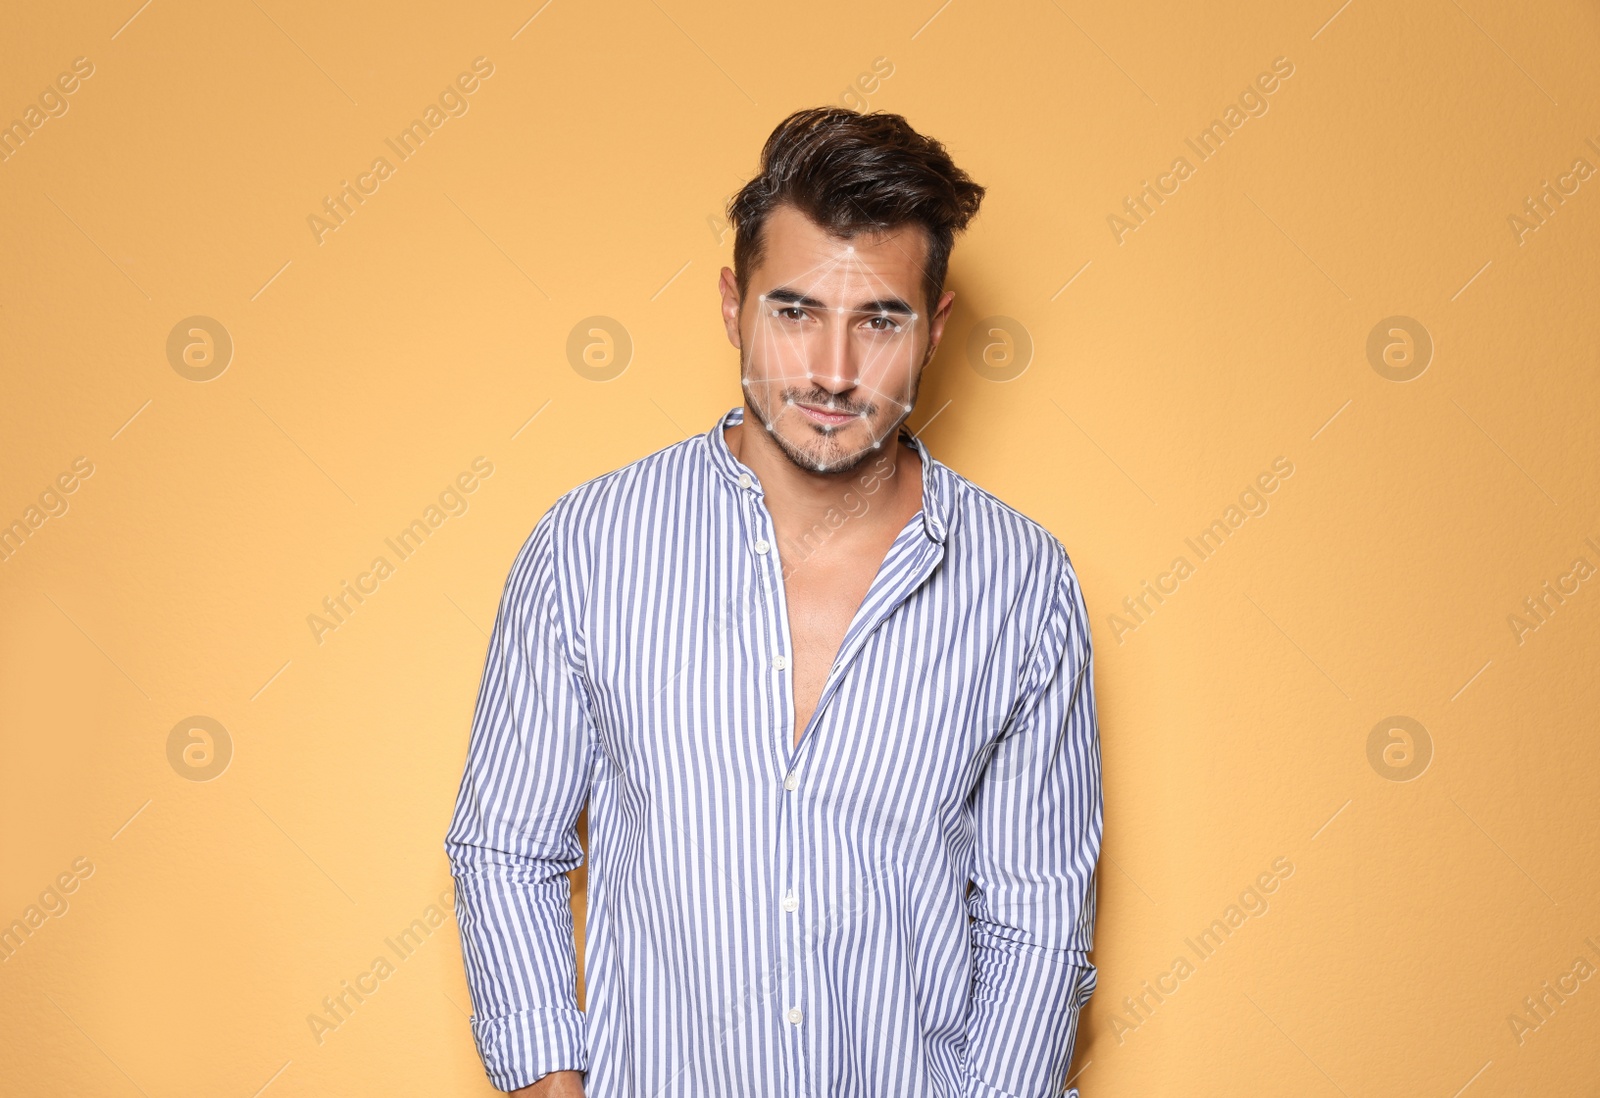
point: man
(830, 703)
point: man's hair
(850, 172)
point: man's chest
(821, 604)
(707, 675)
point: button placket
(779, 662)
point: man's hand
(558, 1084)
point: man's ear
(936, 323)
(728, 287)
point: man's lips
(822, 415)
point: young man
(831, 706)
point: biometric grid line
(826, 266)
(770, 338)
(767, 422)
(900, 329)
(794, 336)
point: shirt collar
(935, 491)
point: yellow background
(587, 179)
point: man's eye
(889, 323)
(800, 313)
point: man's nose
(836, 369)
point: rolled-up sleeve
(1037, 816)
(513, 838)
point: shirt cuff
(518, 1049)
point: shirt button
(780, 662)
(791, 779)
(762, 545)
(789, 902)
(745, 481)
(795, 1015)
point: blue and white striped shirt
(768, 919)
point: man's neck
(883, 490)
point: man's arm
(1038, 818)
(558, 1084)
(512, 838)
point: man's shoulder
(987, 524)
(636, 487)
(1002, 541)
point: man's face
(833, 336)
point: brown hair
(851, 172)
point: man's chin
(826, 454)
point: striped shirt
(901, 905)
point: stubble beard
(831, 449)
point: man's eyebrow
(793, 297)
(882, 305)
(887, 305)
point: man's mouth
(823, 415)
